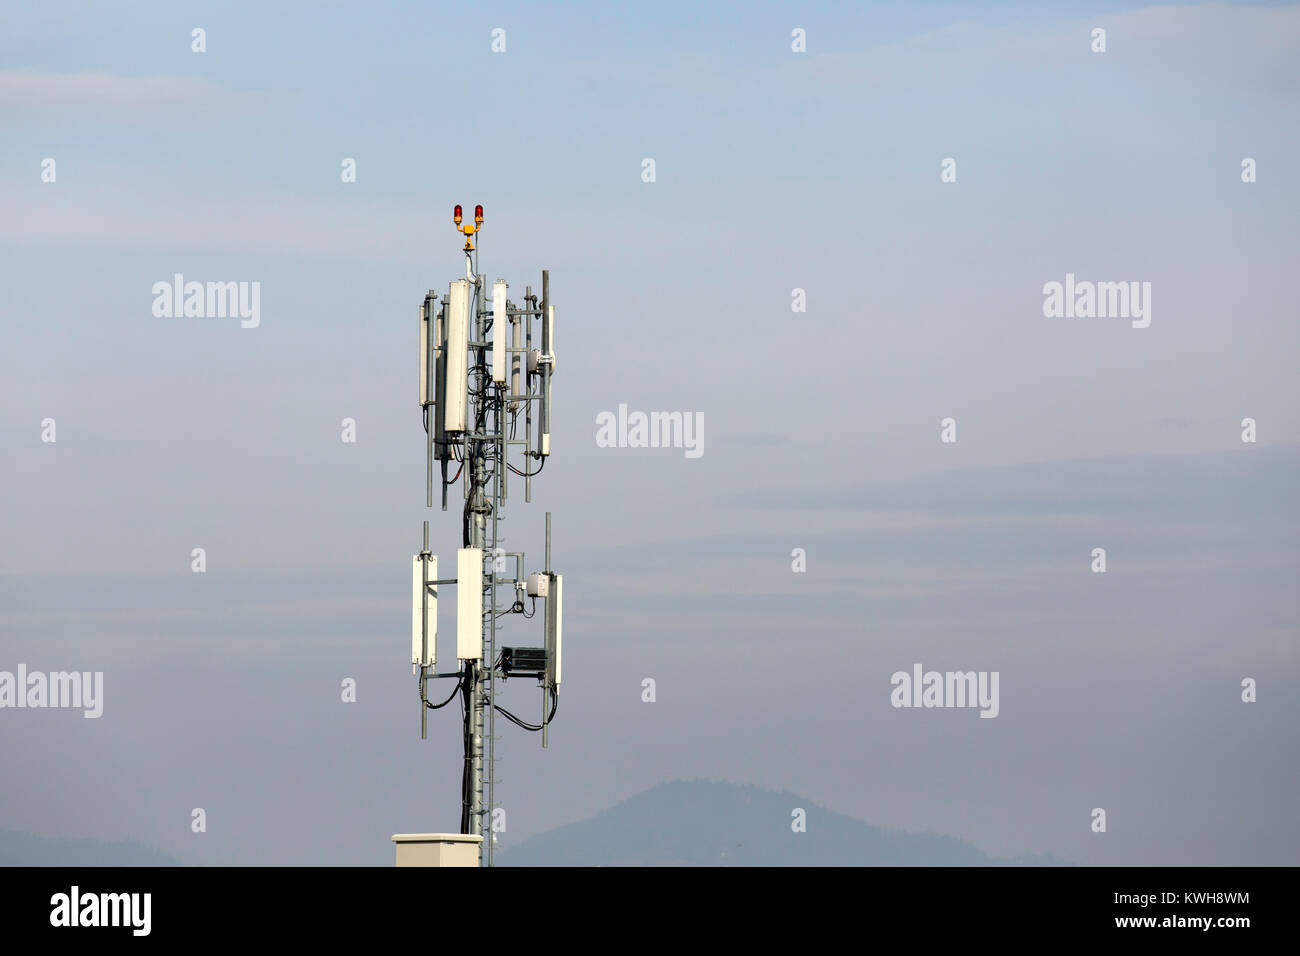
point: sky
(779, 177)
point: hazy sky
(775, 171)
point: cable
(531, 473)
(454, 692)
(516, 721)
(555, 704)
(467, 714)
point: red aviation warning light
(467, 229)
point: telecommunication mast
(481, 379)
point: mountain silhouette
(709, 823)
(27, 849)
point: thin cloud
(108, 96)
(1209, 46)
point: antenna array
(480, 375)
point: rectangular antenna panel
(554, 622)
(423, 654)
(438, 361)
(516, 342)
(424, 352)
(456, 326)
(499, 325)
(548, 350)
(469, 604)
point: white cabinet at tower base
(437, 849)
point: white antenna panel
(550, 334)
(422, 654)
(554, 622)
(456, 325)
(499, 326)
(469, 604)
(424, 352)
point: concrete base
(437, 849)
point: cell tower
(479, 375)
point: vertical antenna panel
(431, 645)
(423, 648)
(548, 373)
(515, 358)
(424, 352)
(554, 621)
(456, 326)
(438, 360)
(469, 604)
(499, 326)
(417, 613)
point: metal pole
(491, 653)
(528, 415)
(424, 626)
(474, 464)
